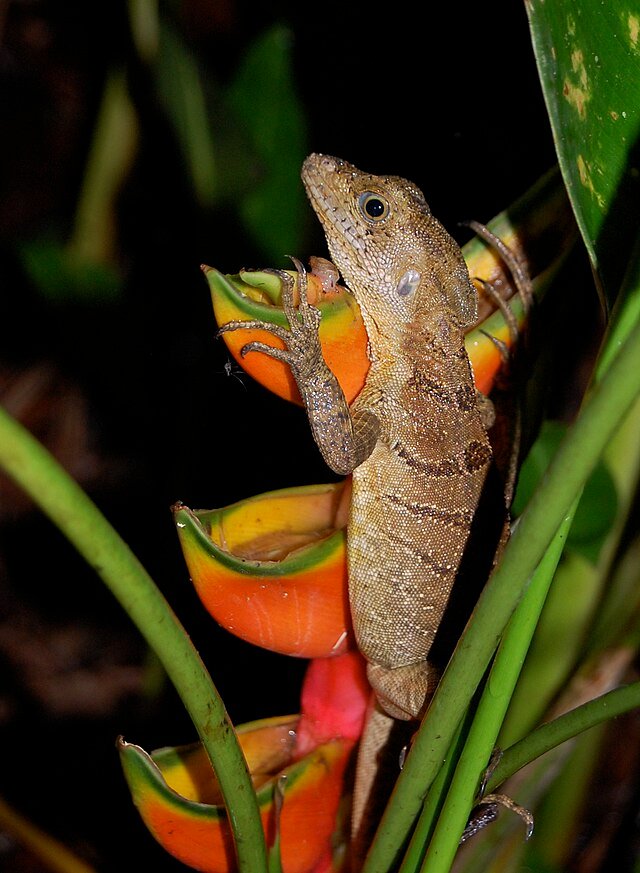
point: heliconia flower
(484, 355)
(256, 295)
(272, 569)
(177, 796)
(540, 223)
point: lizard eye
(373, 206)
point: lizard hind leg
(506, 437)
(403, 692)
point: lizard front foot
(343, 442)
(302, 350)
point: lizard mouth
(317, 164)
(321, 176)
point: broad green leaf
(588, 57)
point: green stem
(492, 707)
(579, 451)
(66, 504)
(434, 802)
(564, 728)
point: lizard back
(415, 497)
(418, 481)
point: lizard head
(392, 253)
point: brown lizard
(415, 439)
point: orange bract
(176, 795)
(272, 569)
(297, 764)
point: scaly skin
(414, 438)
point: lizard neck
(432, 341)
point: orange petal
(176, 794)
(272, 569)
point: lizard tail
(378, 765)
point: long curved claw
(505, 309)
(309, 314)
(288, 303)
(520, 275)
(301, 270)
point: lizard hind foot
(486, 812)
(511, 259)
(403, 692)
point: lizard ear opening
(408, 283)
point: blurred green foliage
(241, 143)
(598, 505)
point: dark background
(448, 98)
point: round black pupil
(374, 207)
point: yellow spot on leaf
(576, 96)
(634, 29)
(576, 89)
(584, 170)
(577, 65)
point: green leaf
(61, 276)
(599, 503)
(263, 98)
(181, 89)
(588, 57)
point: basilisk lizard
(415, 438)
